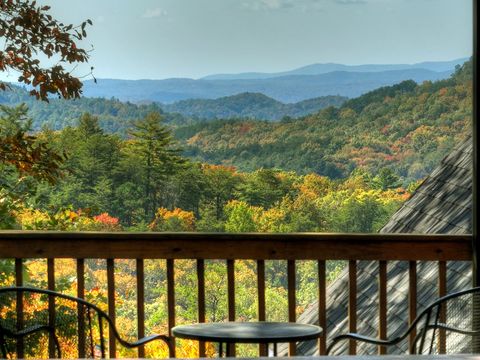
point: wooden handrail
(302, 246)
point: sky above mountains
(155, 39)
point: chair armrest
(166, 339)
(150, 338)
(361, 338)
(27, 331)
(455, 330)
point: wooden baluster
(263, 351)
(322, 306)
(140, 272)
(352, 304)
(412, 298)
(111, 306)
(51, 304)
(80, 309)
(382, 304)
(201, 301)
(442, 291)
(171, 301)
(20, 323)
(292, 316)
(231, 299)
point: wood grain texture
(262, 348)
(112, 344)
(231, 349)
(352, 304)
(382, 304)
(412, 298)
(20, 323)
(322, 306)
(442, 291)
(81, 318)
(292, 301)
(51, 304)
(140, 274)
(171, 300)
(302, 246)
(201, 301)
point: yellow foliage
(271, 220)
(173, 220)
(314, 186)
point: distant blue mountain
(317, 69)
(287, 89)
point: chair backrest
(449, 325)
(45, 324)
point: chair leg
(3, 346)
(57, 343)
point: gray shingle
(442, 204)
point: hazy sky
(192, 38)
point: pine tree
(160, 158)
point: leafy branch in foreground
(25, 152)
(29, 33)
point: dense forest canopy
(250, 105)
(341, 169)
(406, 127)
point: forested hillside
(116, 117)
(113, 115)
(103, 182)
(250, 105)
(405, 127)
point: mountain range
(288, 87)
(317, 69)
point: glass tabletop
(248, 332)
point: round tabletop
(248, 332)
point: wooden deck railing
(231, 247)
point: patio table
(260, 332)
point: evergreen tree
(159, 157)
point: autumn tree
(24, 160)
(32, 39)
(30, 34)
(24, 152)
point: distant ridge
(250, 105)
(317, 69)
(287, 89)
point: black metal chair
(449, 325)
(43, 324)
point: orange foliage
(245, 128)
(107, 222)
(213, 168)
(173, 220)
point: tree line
(144, 183)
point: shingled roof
(442, 204)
